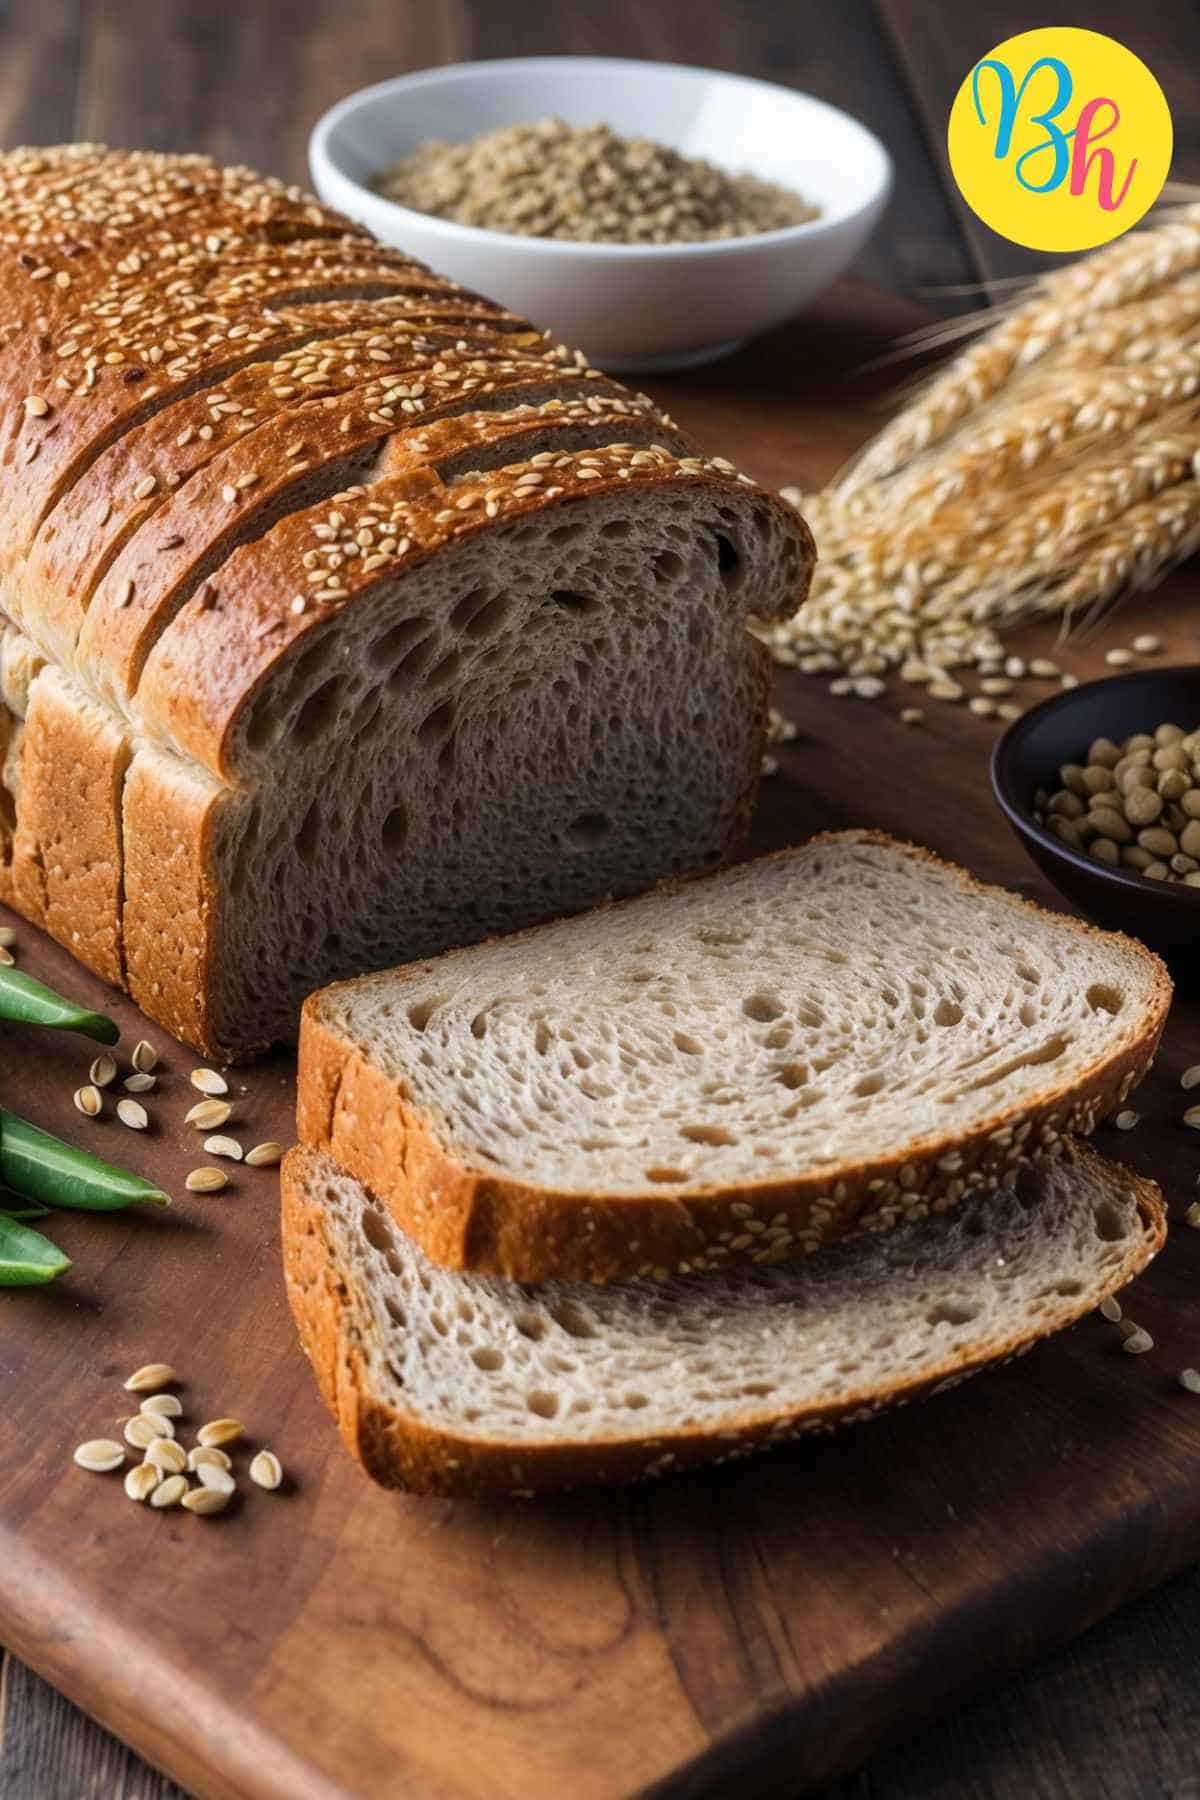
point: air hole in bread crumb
(565, 534)
(543, 1038)
(572, 601)
(309, 835)
(445, 670)
(792, 1075)
(636, 1401)
(491, 620)
(1026, 973)
(668, 565)
(1110, 1226)
(947, 1013)
(688, 1045)
(384, 651)
(318, 712)
(488, 1358)
(868, 1084)
(376, 1230)
(589, 828)
(616, 528)
(951, 1312)
(729, 563)
(762, 1007)
(479, 1024)
(573, 1320)
(438, 724)
(395, 1312)
(1103, 998)
(406, 671)
(420, 1013)
(395, 830)
(707, 1134)
(660, 1173)
(1027, 1013)
(759, 1388)
(531, 1325)
(541, 1402)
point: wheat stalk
(1052, 466)
(1063, 304)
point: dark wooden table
(1118, 1715)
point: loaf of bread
(833, 1038)
(344, 616)
(471, 1384)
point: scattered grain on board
(145, 1057)
(224, 1146)
(139, 1082)
(103, 1071)
(1125, 1121)
(1190, 1379)
(150, 1377)
(169, 1492)
(1138, 1342)
(100, 1456)
(264, 1156)
(88, 1101)
(219, 1431)
(8, 937)
(1110, 1308)
(168, 1455)
(266, 1469)
(1192, 1215)
(212, 1475)
(141, 1481)
(209, 1082)
(166, 1406)
(206, 1181)
(585, 183)
(1190, 1077)
(206, 1115)
(133, 1114)
(203, 1500)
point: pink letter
(1082, 157)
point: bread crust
(67, 849)
(480, 1219)
(144, 298)
(399, 1450)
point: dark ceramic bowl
(1164, 914)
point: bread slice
(835, 1036)
(471, 1384)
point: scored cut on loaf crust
(250, 453)
(472, 1384)
(740, 1069)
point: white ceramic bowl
(633, 307)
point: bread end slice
(474, 1385)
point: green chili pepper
(26, 1257)
(30, 1002)
(51, 1173)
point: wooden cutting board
(750, 1630)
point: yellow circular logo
(1060, 139)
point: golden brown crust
(169, 918)
(486, 1221)
(200, 526)
(400, 1450)
(67, 858)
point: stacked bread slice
(741, 1158)
(343, 616)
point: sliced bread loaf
(471, 1384)
(736, 1070)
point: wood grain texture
(1113, 1715)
